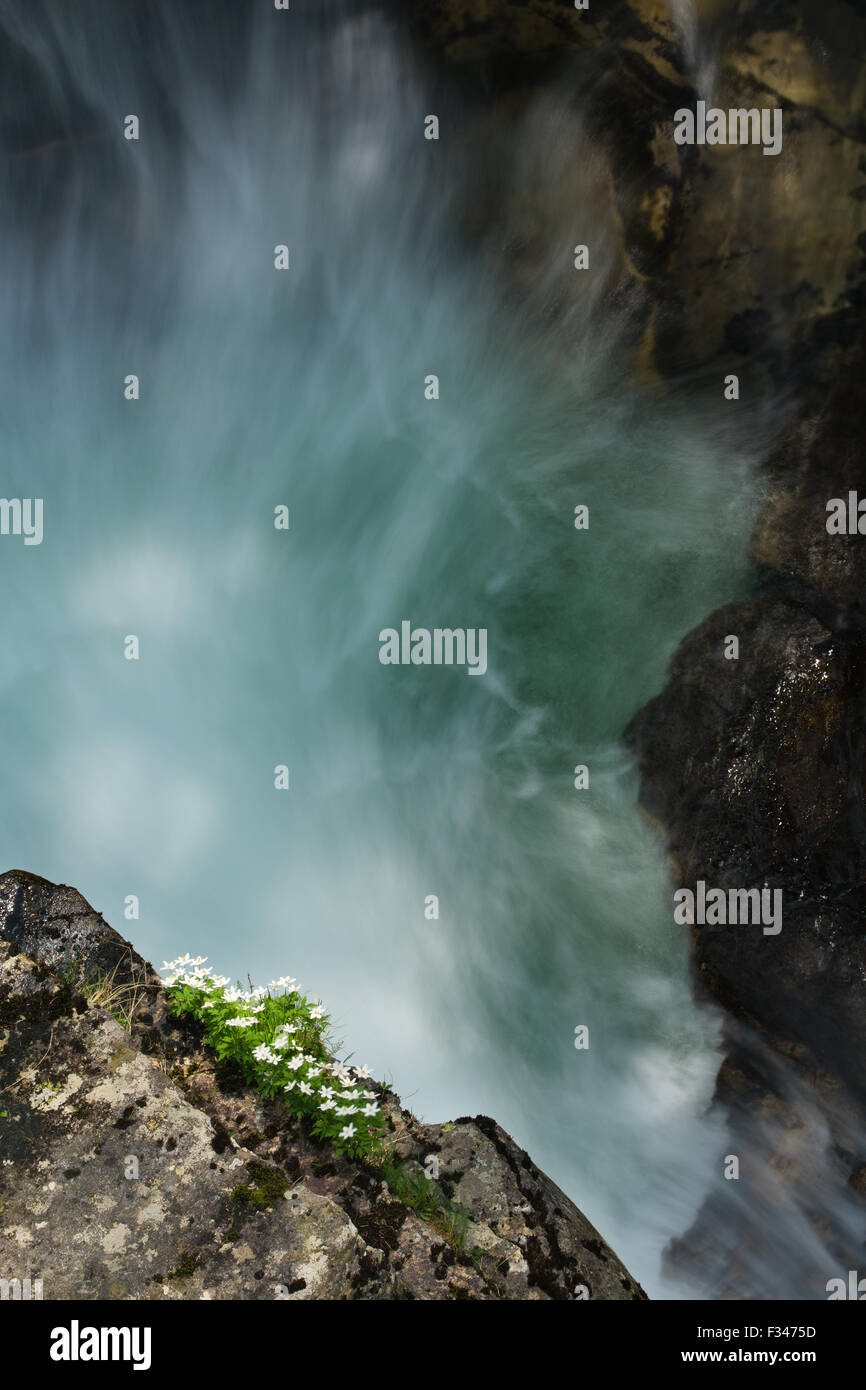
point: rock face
(132, 1167)
(755, 772)
(724, 258)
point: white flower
(284, 982)
(327, 1105)
(328, 1091)
(263, 1053)
(347, 1131)
(241, 1022)
(317, 1012)
(295, 1062)
(370, 1110)
(290, 1085)
(362, 1071)
(307, 1090)
(347, 1110)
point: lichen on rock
(133, 1168)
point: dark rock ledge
(232, 1199)
(755, 773)
(755, 769)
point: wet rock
(542, 32)
(754, 769)
(133, 1166)
(725, 258)
(819, 457)
(56, 925)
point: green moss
(268, 1186)
(270, 1183)
(186, 1266)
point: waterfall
(308, 388)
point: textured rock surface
(754, 768)
(131, 1167)
(468, 31)
(721, 255)
(755, 772)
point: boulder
(133, 1165)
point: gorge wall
(732, 262)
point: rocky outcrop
(754, 769)
(719, 257)
(539, 32)
(133, 1166)
(755, 772)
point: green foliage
(186, 1266)
(410, 1184)
(276, 1040)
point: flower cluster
(277, 1038)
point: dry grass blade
(120, 997)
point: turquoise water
(260, 647)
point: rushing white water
(698, 52)
(260, 647)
